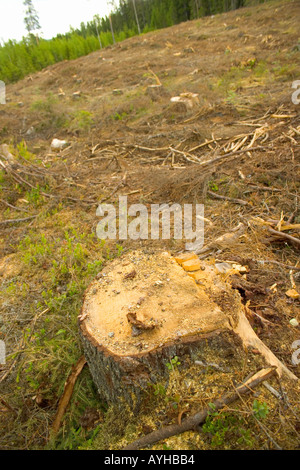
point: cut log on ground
(144, 309)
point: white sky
(56, 16)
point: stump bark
(145, 309)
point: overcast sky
(56, 16)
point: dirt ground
(236, 150)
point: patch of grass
(81, 120)
(65, 257)
(286, 72)
(174, 363)
(62, 266)
(77, 439)
(35, 196)
(233, 190)
(231, 79)
(3, 131)
(123, 112)
(50, 113)
(231, 97)
(222, 426)
(44, 105)
(119, 117)
(260, 410)
(2, 176)
(35, 249)
(24, 152)
(261, 69)
(213, 186)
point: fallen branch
(187, 156)
(224, 241)
(285, 235)
(264, 188)
(230, 154)
(155, 76)
(226, 198)
(287, 266)
(13, 207)
(252, 341)
(283, 116)
(207, 142)
(7, 406)
(67, 394)
(147, 149)
(193, 421)
(119, 185)
(196, 160)
(16, 221)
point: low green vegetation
(49, 112)
(173, 363)
(222, 426)
(62, 266)
(80, 121)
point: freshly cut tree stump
(144, 309)
(184, 102)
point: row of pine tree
(130, 17)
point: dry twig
(285, 235)
(226, 198)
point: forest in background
(129, 18)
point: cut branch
(13, 207)
(230, 154)
(16, 221)
(285, 235)
(287, 266)
(226, 198)
(67, 394)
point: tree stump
(185, 102)
(144, 309)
